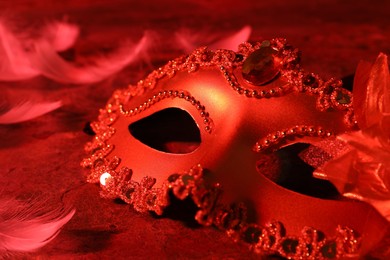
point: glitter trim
(171, 94)
(270, 238)
(277, 139)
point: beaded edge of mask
(270, 238)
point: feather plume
(51, 65)
(23, 57)
(231, 42)
(61, 35)
(14, 59)
(28, 226)
(27, 111)
(190, 41)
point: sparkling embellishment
(289, 246)
(252, 93)
(104, 177)
(270, 238)
(343, 99)
(262, 66)
(277, 139)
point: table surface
(42, 156)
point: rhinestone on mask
(262, 66)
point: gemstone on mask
(252, 234)
(262, 66)
(129, 192)
(239, 57)
(186, 178)
(104, 177)
(173, 177)
(290, 245)
(310, 81)
(329, 250)
(343, 98)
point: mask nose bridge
(233, 158)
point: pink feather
(61, 35)
(190, 40)
(231, 42)
(23, 56)
(28, 226)
(51, 65)
(27, 111)
(14, 60)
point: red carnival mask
(232, 110)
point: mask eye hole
(171, 130)
(287, 169)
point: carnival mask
(209, 126)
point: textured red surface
(43, 155)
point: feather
(23, 57)
(28, 226)
(231, 42)
(61, 35)
(51, 65)
(190, 41)
(27, 111)
(14, 59)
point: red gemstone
(262, 66)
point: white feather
(27, 226)
(27, 111)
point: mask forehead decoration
(245, 105)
